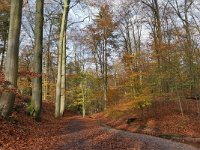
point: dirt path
(86, 134)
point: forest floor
(163, 119)
(73, 132)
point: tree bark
(60, 56)
(47, 77)
(11, 64)
(37, 61)
(63, 78)
(3, 55)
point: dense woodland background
(130, 64)
(89, 56)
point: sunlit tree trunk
(36, 100)
(11, 64)
(83, 90)
(60, 58)
(63, 77)
(58, 83)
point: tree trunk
(47, 71)
(11, 65)
(63, 78)
(106, 83)
(3, 55)
(83, 89)
(60, 56)
(105, 71)
(37, 61)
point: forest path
(87, 134)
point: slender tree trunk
(63, 78)
(105, 72)
(179, 101)
(37, 61)
(105, 85)
(3, 55)
(11, 65)
(83, 89)
(46, 85)
(60, 56)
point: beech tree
(36, 102)
(102, 37)
(139, 49)
(61, 76)
(11, 65)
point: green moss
(30, 109)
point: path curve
(87, 134)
